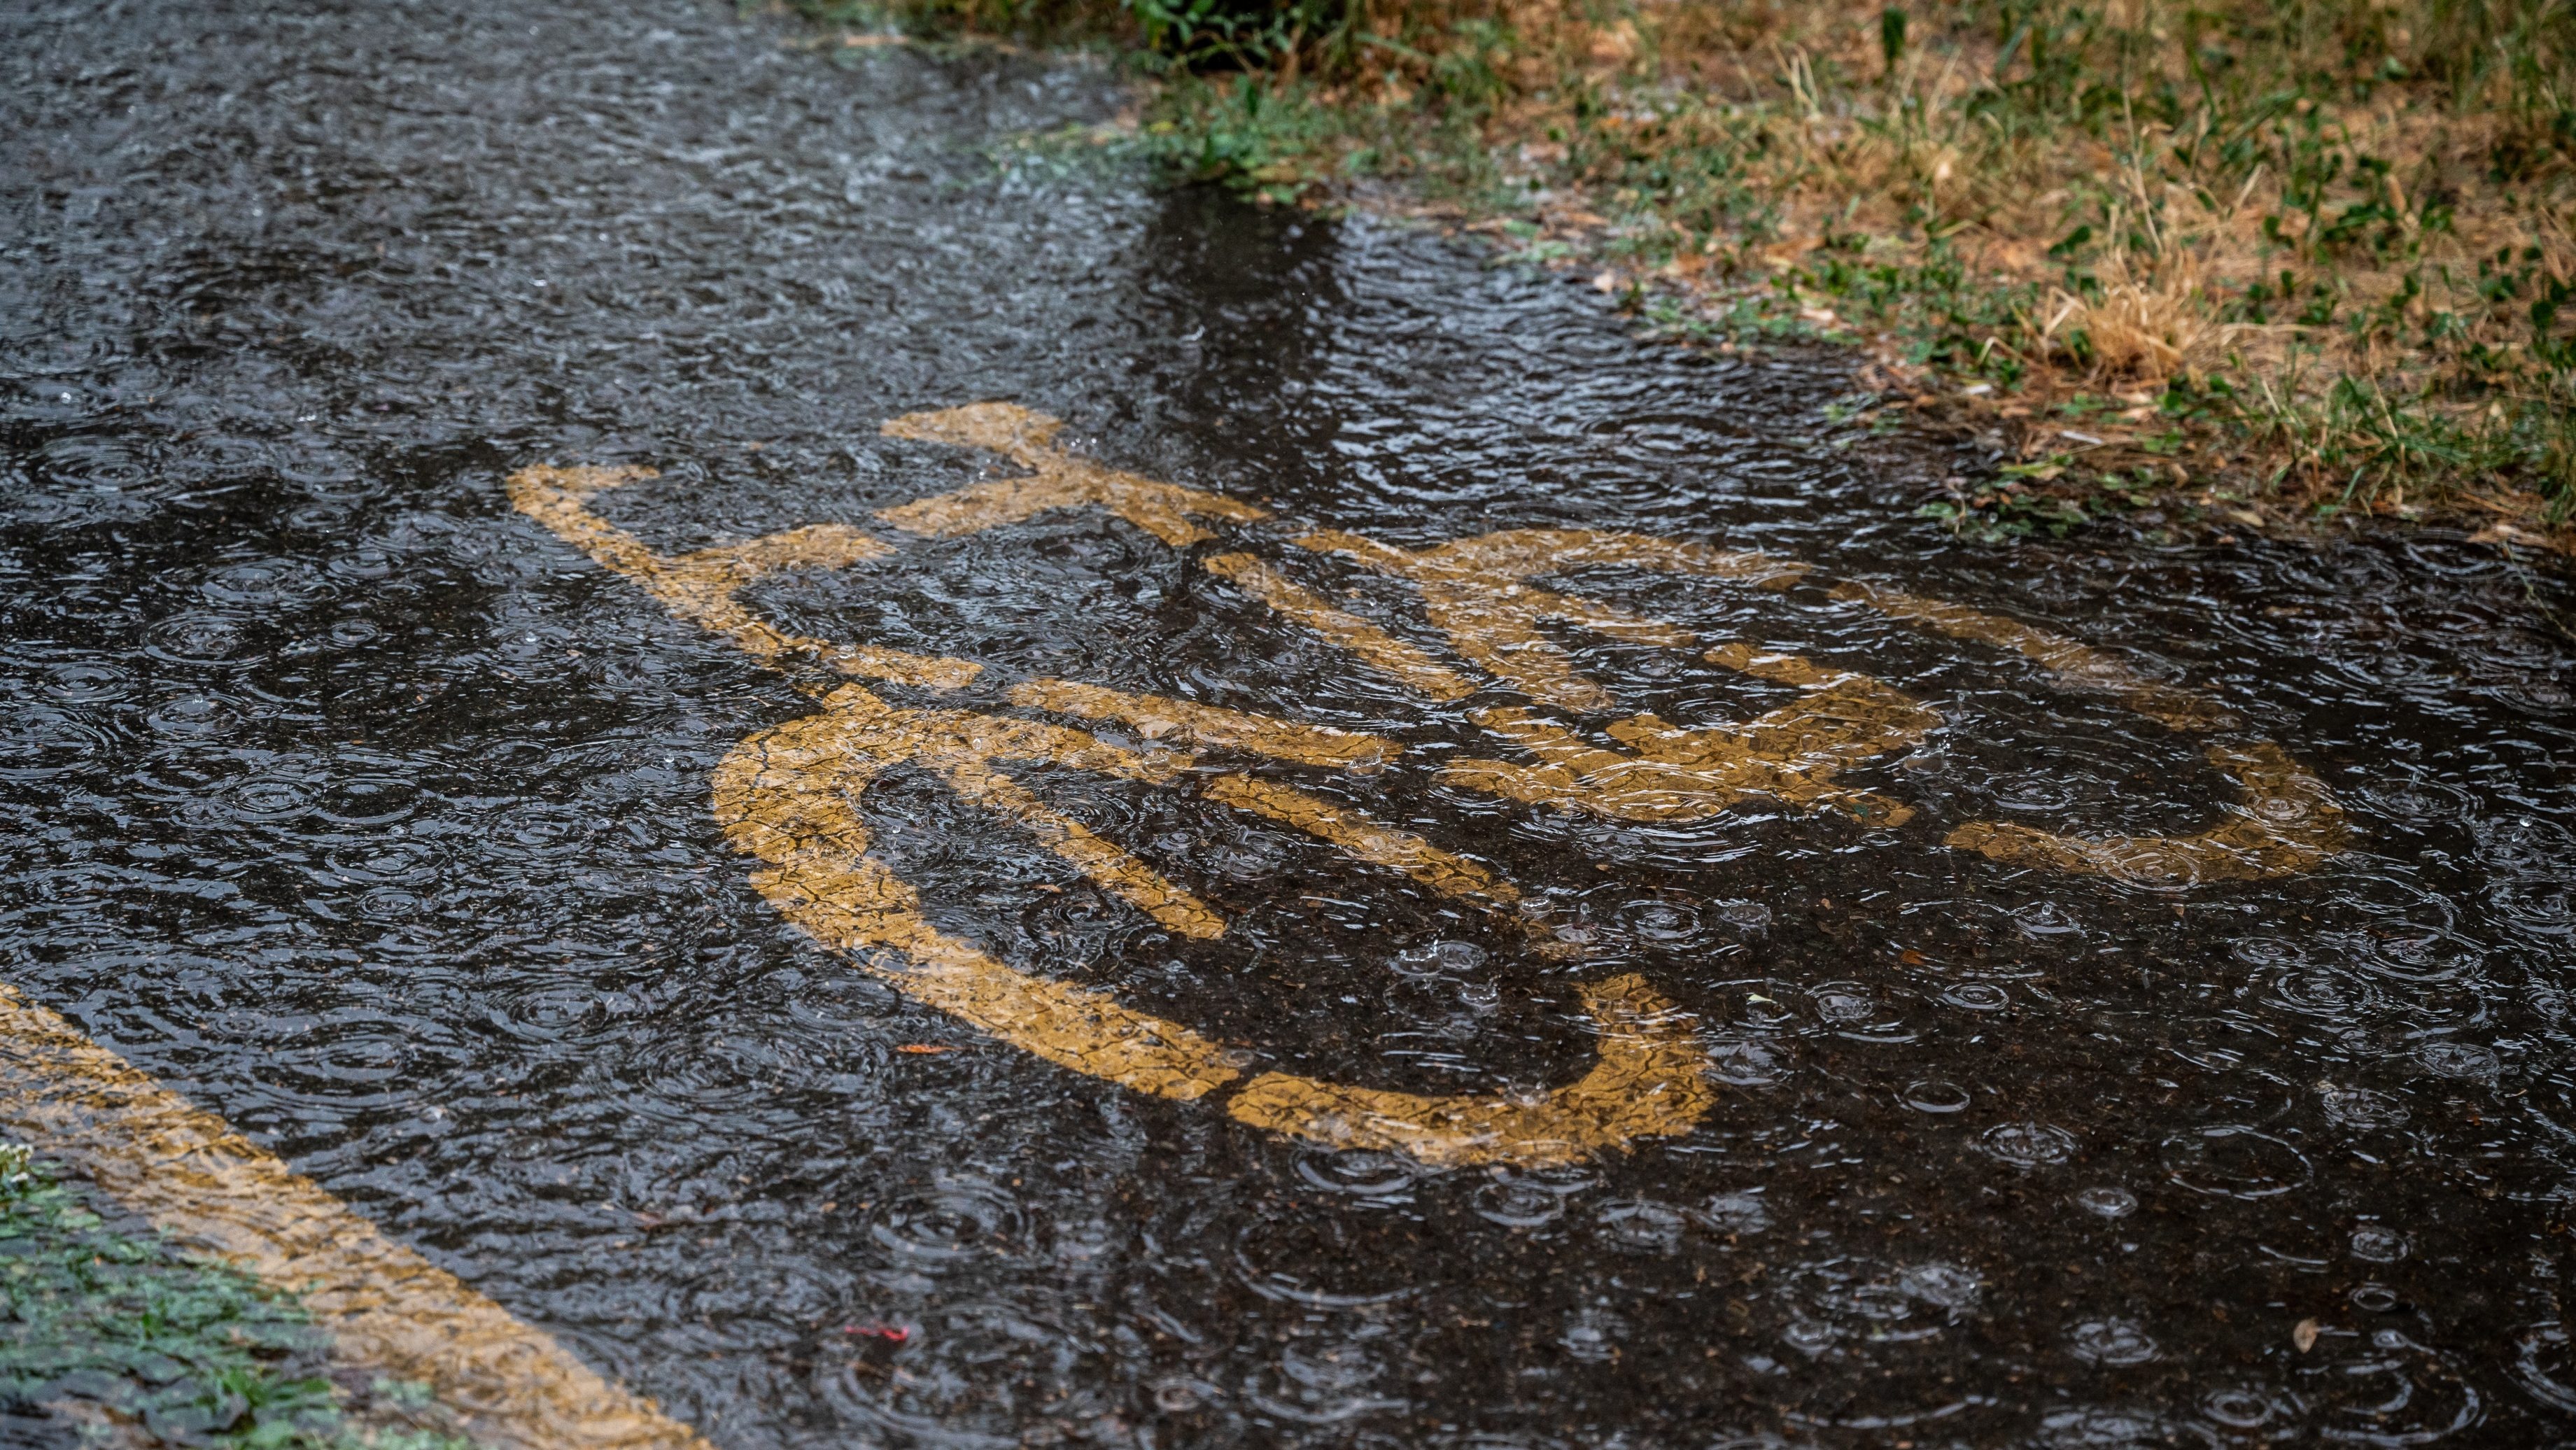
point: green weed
(109, 1329)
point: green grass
(2318, 251)
(132, 1342)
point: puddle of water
(369, 812)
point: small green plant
(2008, 508)
(183, 1351)
(1239, 33)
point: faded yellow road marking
(960, 747)
(1183, 722)
(2287, 823)
(2286, 820)
(1476, 591)
(388, 1308)
(1380, 650)
(2076, 665)
(1363, 839)
(1648, 1083)
(701, 587)
(1677, 774)
(790, 796)
(1789, 755)
(1058, 480)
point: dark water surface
(371, 815)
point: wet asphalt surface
(372, 816)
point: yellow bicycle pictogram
(794, 796)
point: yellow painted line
(2286, 820)
(961, 747)
(1363, 839)
(2076, 665)
(1650, 1082)
(1112, 867)
(1476, 591)
(389, 1309)
(1185, 722)
(1791, 754)
(1380, 650)
(790, 796)
(1676, 775)
(1509, 555)
(1058, 480)
(701, 587)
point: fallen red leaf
(890, 1333)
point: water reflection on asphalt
(376, 817)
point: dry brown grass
(2075, 200)
(2321, 247)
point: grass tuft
(132, 1343)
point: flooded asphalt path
(376, 777)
